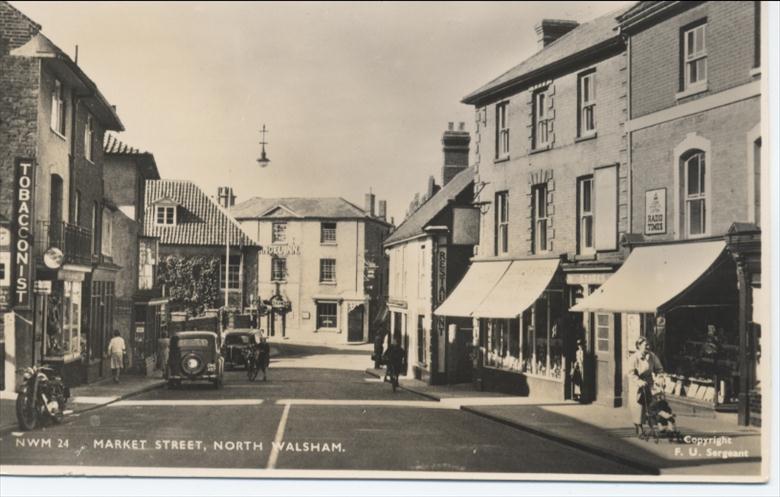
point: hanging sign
(22, 234)
(655, 212)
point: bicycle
(250, 357)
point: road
(317, 411)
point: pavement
(710, 445)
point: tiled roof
(112, 145)
(416, 223)
(200, 220)
(317, 207)
(579, 39)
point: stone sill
(590, 136)
(693, 90)
(499, 160)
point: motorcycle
(42, 394)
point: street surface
(318, 410)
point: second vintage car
(236, 344)
(195, 356)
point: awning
(652, 276)
(480, 279)
(520, 286)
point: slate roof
(415, 224)
(580, 39)
(112, 145)
(300, 208)
(200, 220)
(144, 160)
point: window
(76, 208)
(502, 130)
(421, 339)
(147, 259)
(58, 108)
(279, 232)
(65, 341)
(278, 269)
(502, 223)
(105, 246)
(165, 215)
(88, 132)
(234, 272)
(695, 56)
(539, 218)
(585, 215)
(327, 270)
(328, 233)
(757, 35)
(602, 332)
(756, 207)
(695, 194)
(95, 226)
(327, 315)
(586, 97)
(542, 122)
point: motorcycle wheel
(26, 414)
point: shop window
(539, 218)
(694, 56)
(542, 122)
(279, 232)
(58, 115)
(328, 233)
(586, 100)
(502, 223)
(585, 223)
(63, 334)
(327, 315)
(233, 272)
(695, 194)
(502, 130)
(147, 260)
(278, 269)
(165, 215)
(327, 270)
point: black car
(235, 344)
(195, 356)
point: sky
(355, 95)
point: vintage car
(235, 345)
(195, 356)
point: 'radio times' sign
(22, 235)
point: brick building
(429, 253)
(52, 121)
(321, 266)
(551, 182)
(694, 134)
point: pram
(658, 420)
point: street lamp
(263, 160)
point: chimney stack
(455, 145)
(369, 208)
(225, 196)
(549, 30)
(382, 214)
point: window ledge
(330, 244)
(589, 136)
(58, 133)
(501, 159)
(539, 150)
(756, 71)
(328, 283)
(327, 330)
(585, 257)
(278, 281)
(693, 90)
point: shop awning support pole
(743, 406)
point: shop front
(683, 298)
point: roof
(576, 43)
(42, 47)
(415, 224)
(645, 12)
(299, 208)
(665, 271)
(145, 160)
(200, 220)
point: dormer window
(165, 215)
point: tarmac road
(329, 416)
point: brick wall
(88, 175)
(123, 171)
(654, 164)
(560, 166)
(655, 54)
(16, 29)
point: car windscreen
(193, 342)
(237, 340)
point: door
(606, 352)
(463, 346)
(355, 324)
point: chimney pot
(462, 126)
(451, 126)
(455, 145)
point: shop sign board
(22, 234)
(655, 212)
(281, 250)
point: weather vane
(263, 160)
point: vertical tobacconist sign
(22, 235)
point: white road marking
(373, 380)
(85, 399)
(421, 404)
(278, 438)
(188, 402)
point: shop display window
(63, 327)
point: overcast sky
(356, 95)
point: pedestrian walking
(394, 359)
(264, 356)
(116, 351)
(164, 349)
(642, 366)
(379, 346)
(578, 372)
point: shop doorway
(355, 324)
(605, 345)
(461, 352)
